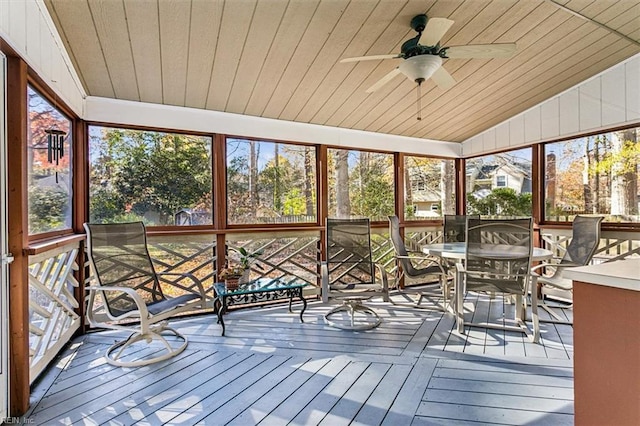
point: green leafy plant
(246, 258)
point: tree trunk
(408, 190)
(254, 199)
(309, 180)
(448, 186)
(586, 184)
(624, 179)
(277, 193)
(343, 203)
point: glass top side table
(259, 290)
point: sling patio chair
(416, 265)
(455, 227)
(349, 275)
(128, 294)
(498, 261)
(585, 239)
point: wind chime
(55, 145)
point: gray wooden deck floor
(270, 370)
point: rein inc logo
(17, 421)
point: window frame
(535, 181)
(223, 207)
(541, 175)
(36, 84)
(157, 228)
(401, 184)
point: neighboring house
(426, 203)
(482, 180)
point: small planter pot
(232, 282)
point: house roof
(280, 58)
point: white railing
(52, 320)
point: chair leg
(154, 333)
(534, 311)
(459, 305)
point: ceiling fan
(422, 55)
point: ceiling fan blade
(503, 50)
(443, 79)
(435, 29)
(369, 58)
(384, 80)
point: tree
(139, 172)
(502, 202)
(343, 201)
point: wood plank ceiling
(279, 58)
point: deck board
(271, 369)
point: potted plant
(238, 271)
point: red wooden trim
(17, 238)
(398, 188)
(461, 183)
(537, 183)
(80, 174)
(219, 182)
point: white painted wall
(610, 99)
(153, 115)
(27, 27)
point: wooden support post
(18, 235)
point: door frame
(5, 256)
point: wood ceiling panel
(578, 72)
(266, 22)
(203, 42)
(377, 22)
(144, 32)
(236, 20)
(111, 25)
(174, 19)
(332, 51)
(363, 74)
(280, 58)
(295, 21)
(79, 33)
(315, 36)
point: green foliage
(501, 201)
(371, 187)
(48, 209)
(136, 172)
(625, 160)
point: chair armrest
(383, 275)
(195, 279)
(140, 304)
(554, 265)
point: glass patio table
(459, 251)
(259, 290)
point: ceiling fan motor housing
(419, 22)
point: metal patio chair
(131, 294)
(349, 274)
(455, 226)
(585, 238)
(415, 265)
(498, 260)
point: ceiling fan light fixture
(420, 67)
